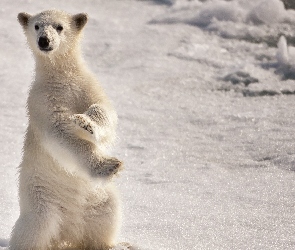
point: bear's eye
(59, 28)
(36, 27)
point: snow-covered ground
(205, 99)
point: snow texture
(205, 96)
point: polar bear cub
(71, 125)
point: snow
(282, 54)
(205, 97)
(268, 11)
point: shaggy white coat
(59, 205)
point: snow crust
(205, 96)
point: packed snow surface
(205, 96)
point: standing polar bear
(71, 125)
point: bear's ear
(80, 20)
(23, 19)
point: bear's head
(52, 31)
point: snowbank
(286, 59)
(255, 21)
(267, 12)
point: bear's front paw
(107, 167)
(82, 121)
(97, 114)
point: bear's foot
(107, 167)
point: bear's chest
(61, 95)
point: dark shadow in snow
(152, 182)
(288, 92)
(270, 65)
(240, 77)
(164, 2)
(289, 4)
(251, 93)
(239, 82)
(286, 72)
(149, 179)
(257, 93)
(4, 242)
(266, 158)
(135, 147)
(285, 161)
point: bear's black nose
(43, 42)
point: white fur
(59, 206)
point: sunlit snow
(204, 91)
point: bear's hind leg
(35, 231)
(102, 219)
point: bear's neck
(54, 67)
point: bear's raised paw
(107, 167)
(82, 121)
